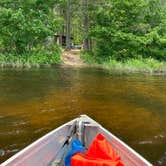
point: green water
(35, 101)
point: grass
(33, 59)
(87, 58)
(146, 65)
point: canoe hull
(44, 151)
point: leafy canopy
(25, 24)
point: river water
(35, 101)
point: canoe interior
(46, 150)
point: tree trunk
(90, 44)
(61, 11)
(68, 45)
(85, 23)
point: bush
(136, 65)
(88, 57)
(36, 57)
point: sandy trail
(72, 58)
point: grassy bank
(32, 59)
(147, 65)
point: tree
(68, 42)
(85, 23)
(129, 29)
(26, 24)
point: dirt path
(72, 58)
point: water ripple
(145, 142)
(13, 132)
(162, 160)
(2, 152)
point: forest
(109, 31)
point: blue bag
(76, 147)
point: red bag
(100, 153)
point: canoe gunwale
(35, 143)
(116, 140)
(125, 146)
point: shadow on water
(35, 101)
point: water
(33, 102)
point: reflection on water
(33, 102)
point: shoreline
(125, 70)
(142, 65)
(74, 58)
(122, 70)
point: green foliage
(127, 29)
(35, 58)
(148, 65)
(120, 30)
(26, 24)
(87, 57)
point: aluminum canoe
(51, 148)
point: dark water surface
(33, 102)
